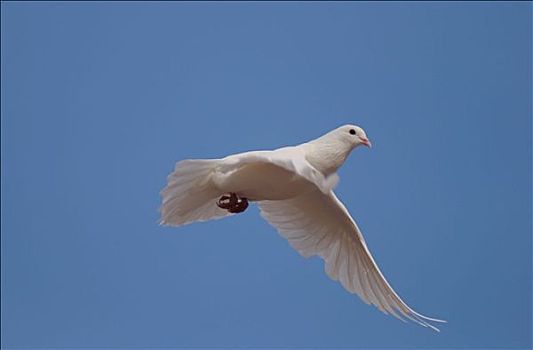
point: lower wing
(319, 224)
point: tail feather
(190, 195)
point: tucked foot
(240, 206)
(233, 203)
(227, 201)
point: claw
(227, 202)
(240, 206)
(232, 203)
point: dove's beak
(366, 142)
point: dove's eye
(352, 131)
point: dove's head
(328, 152)
(351, 135)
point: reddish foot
(232, 203)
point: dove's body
(294, 190)
(261, 181)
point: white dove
(293, 187)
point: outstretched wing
(319, 224)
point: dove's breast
(261, 181)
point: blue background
(99, 100)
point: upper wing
(288, 158)
(319, 224)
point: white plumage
(293, 187)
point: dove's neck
(327, 154)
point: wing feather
(317, 223)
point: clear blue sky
(99, 100)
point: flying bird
(293, 187)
